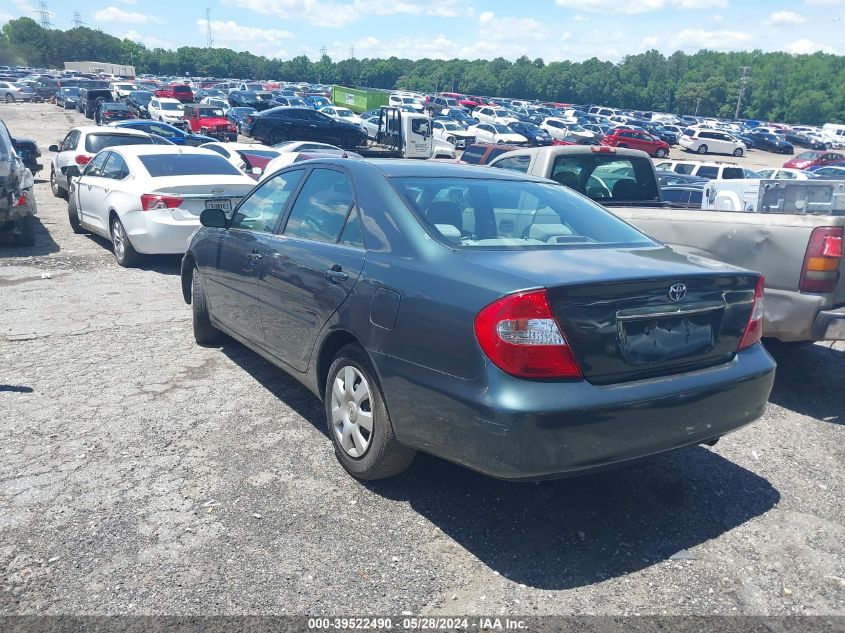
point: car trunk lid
(638, 313)
(196, 198)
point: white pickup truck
(798, 252)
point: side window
(733, 173)
(514, 163)
(706, 171)
(321, 208)
(473, 154)
(675, 195)
(682, 168)
(95, 167)
(70, 141)
(115, 167)
(351, 235)
(216, 148)
(262, 209)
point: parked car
(108, 112)
(671, 179)
(483, 153)
(9, 92)
(317, 101)
(264, 100)
(786, 174)
(26, 149)
(79, 146)
(340, 113)
(801, 140)
(496, 133)
(66, 97)
(209, 120)
(771, 143)
(450, 131)
(122, 89)
(683, 195)
(180, 92)
(643, 141)
(139, 103)
(828, 171)
(166, 110)
(250, 158)
(292, 102)
(147, 199)
(175, 135)
(302, 124)
(805, 160)
(705, 141)
(90, 99)
(567, 370)
(486, 114)
(535, 134)
(238, 114)
(244, 98)
(702, 169)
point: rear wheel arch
(329, 348)
(188, 265)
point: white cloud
(436, 47)
(806, 47)
(129, 1)
(230, 34)
(693, 40)
(113, 14)
(786, 17)
(150, 41)
(824, 3)
(640, 6)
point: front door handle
(254, 257)
(335, 273)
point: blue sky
(551, 29)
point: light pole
(742, 83)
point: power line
(209, 40)
(44, 14)
(77, 20)
(352, 52)
(323, 50)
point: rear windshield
(141, 96)
(473, 154)
(607, 177)
(95, 142)
(512, 215)
(808, 155)
(115, 107)
(169, 105)
(163, 165)
(181, 89)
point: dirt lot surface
(143, 474)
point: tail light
(21, 200)
(821, 263)
(521, 336)
(754, 330)
(152, 202)
(82, 159)
(233, 128)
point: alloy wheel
(352, 411)
(118, 238)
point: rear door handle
(335, 273)
(254, 257)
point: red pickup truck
(176, 91)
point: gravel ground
(142, 474)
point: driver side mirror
(53, 148)
(213, 218)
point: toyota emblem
(677, 292)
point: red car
(814, 158)
(176, 91)
(634, 139)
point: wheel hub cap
(351, 411)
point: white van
(835, 131)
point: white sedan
(166, 110)
(250, 158)
(496, 133)
(10, 92)
(784, 173)
(451, 132)
(305, 146)
(147, 199)
(217, 102)
(486, 114)
(342, 114)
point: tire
(58, 192)
(73, 216)
(349, 142)
(204, 332)
(124, 252)
(9, 97)
(452, 140)
(364, 454)
(276, 137)
(702, 149)
(26, 228)
(660, 153)
(828, 146)
(738, 152)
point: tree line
(780, 86)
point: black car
(244, 99)
(67, 97)
(671, 178)
(484, 316)
(771, 143)
(536, 135)
(91, 98)
(667, 136)
(302, 124)
(264, 100)
(799, 140)
(46, 87)
(237, 115)
(138, 102)
(26, 149)
(688, 195)
(108, 112)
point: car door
(90, 189)
(311, 266)
(66, 157)
(232, 278)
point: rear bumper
(158, 233)
(518, 429)
(795, 316)
(830, 325)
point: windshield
(410, 100)
(124, 86)
(512, 215)
(95, 142)
(452, 126)
(164, 165)
(254, 87)
(502, 129)
(141, 97)
(212, 112)
(181, 89)
(295, 101)
(808, 155)
(343, 113)
(501, 113)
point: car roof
(135, 150)
(409, 168)
(242, 146)
(167, 100)
(109, 129)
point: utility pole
(742, 83)
(77, 20)
(697, 105)
(209, 40)
(351, 52)
(44, 14)
(323, 51)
